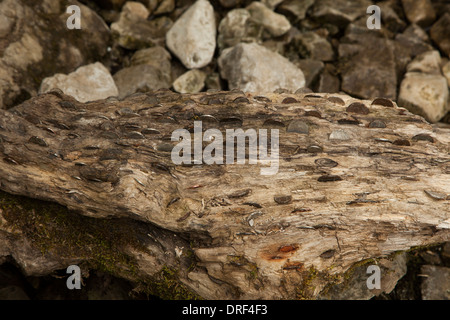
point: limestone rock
(339, 12)
(166, 6)
(251, 67)
(238, 26)
(140, 78)
(355, 287)
(134, 10)
(192, 38)
(275, 23)
(35, 43)
(311, 45)
(420, 12)
(427, 62)
(414, 31)
(368, 66)
(390, 18)
(406, 48)
(192, 81)
(425, 95)
(133, 31)
(87, 83)
(311, 69)
(440, 33)
(407, 45)
(446, 72)
(154, 56)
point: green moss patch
(166, 285)
(53, 228)
(99, 243)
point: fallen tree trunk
(353, 180)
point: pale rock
(23, 52)
(275, 23)
(427, 62)
(133, 31)
(238, 26)
(390, 18)
(156, 77)
(6, 24)
(154, 56)
(192, 37)
(254, 68)
(140, 78)
(425, 95)
(135, 10)
(192, 81)
(166, 6)
(420, 12)
(409, 44)
(446, 72)
(311, 45)
(87, 83)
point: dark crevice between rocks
(14, 285)
(20, 98)
(409, 287)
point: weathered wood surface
(383, 187)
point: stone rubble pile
(192, 46)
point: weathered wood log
(354, 180)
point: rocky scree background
(192, 46)
(126, 47)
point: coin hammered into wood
(351, 174)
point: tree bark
(355, 180)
